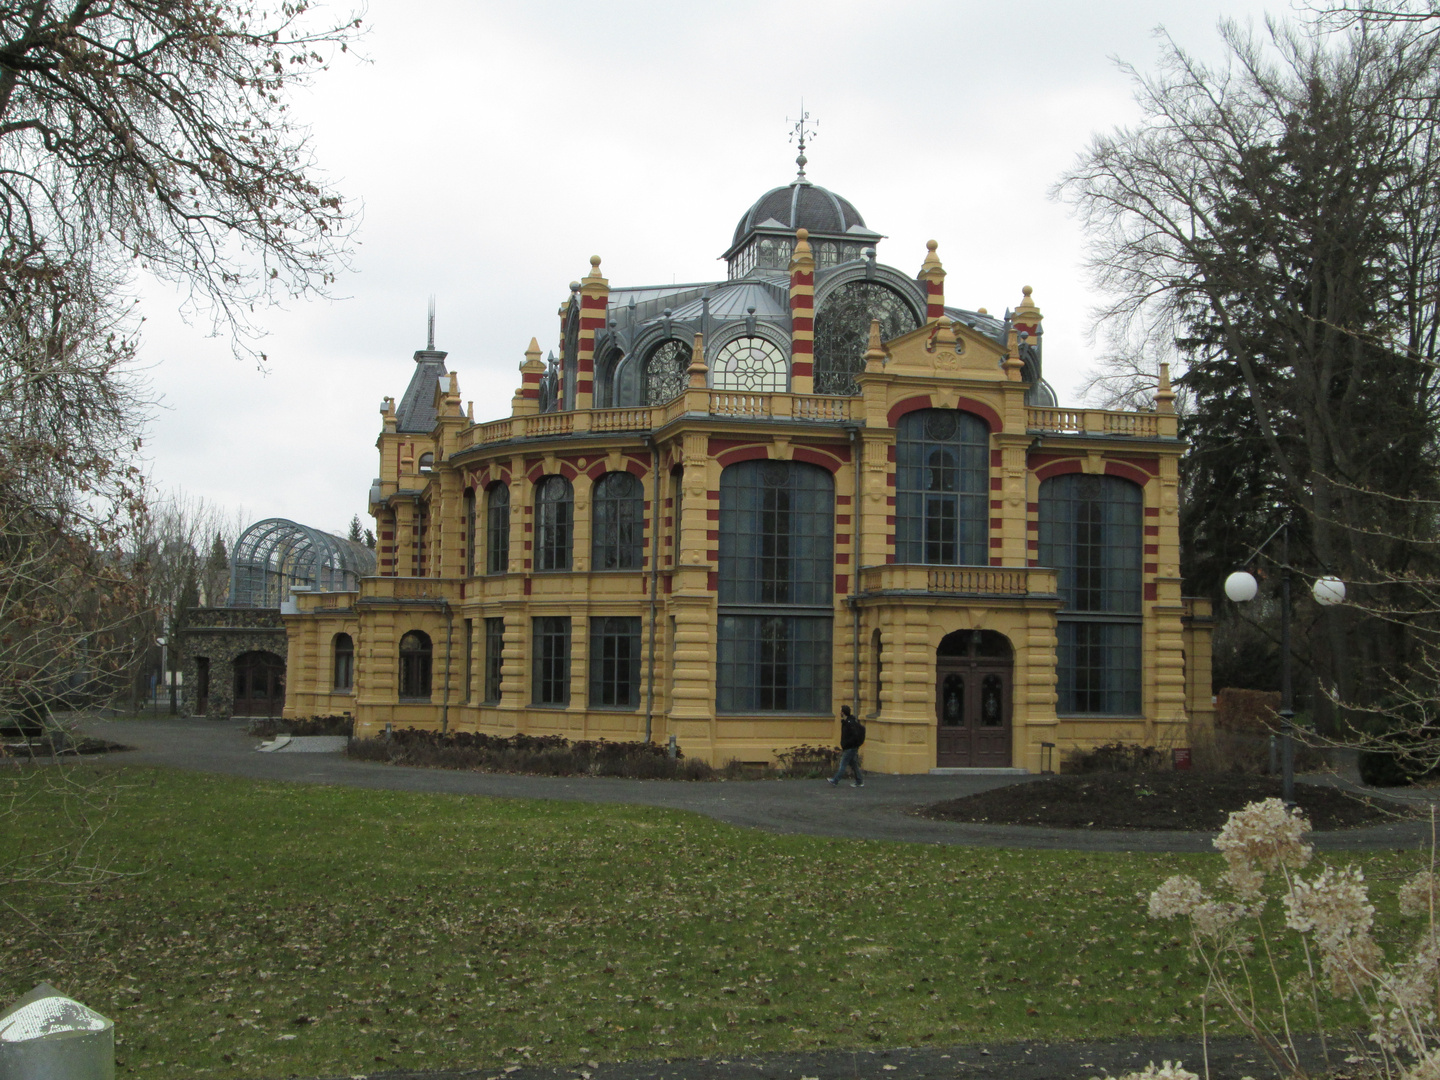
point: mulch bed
(1195, 802)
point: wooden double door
(973, 706)
(259, 685)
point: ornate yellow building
(730, 507)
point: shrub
(535, 755)
(270, 727)
(802, 762)
(1264, 851)
(1116, 757)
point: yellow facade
(891, 620)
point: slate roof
(416, 411)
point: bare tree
(1277, 221)
(157, 134)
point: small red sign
(1180, 756)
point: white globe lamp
(1241, 586)
(1328, 591)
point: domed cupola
(765, 234)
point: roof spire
(798, 133)
(430, 326)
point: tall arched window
(618, 535)
(1090, 532)
(842, 331)
(470, 532)
(570, 356)
(777, 588)
(751, 365)
(497, 529)
(665, 371)
(415, 666)
(876, 661)
(555, 516)
(942, 488)
(344, 662)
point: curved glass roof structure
(275, 555)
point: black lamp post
(1241, 587)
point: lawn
(271, 930)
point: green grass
(272, 930)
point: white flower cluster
(1418, 895)
(1336, 909)
(1264, 836)
(1177, 1071)
(1182, 896)
(1408, 993)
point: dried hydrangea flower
(1177, 1071)
(1419, 893)
(1178, 895)
(1265, 834)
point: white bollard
(46, 1036)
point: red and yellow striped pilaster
(527, 398)
(802, 315)
(594, 297)
(933, 275)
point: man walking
(852, 737)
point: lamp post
(1241, 587)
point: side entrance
(974, 670)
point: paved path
(877, 811)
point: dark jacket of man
(852, 733)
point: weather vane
(799, 133)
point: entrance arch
(259, 684)
(974, 675)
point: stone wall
(221, 634)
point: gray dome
(801, 204)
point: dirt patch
(1195, 802)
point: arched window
(570, 356)
(497, 529)
(942, 488)
(344, 663)
(606, 388)
(555, 515)
(1091, 533)
(618, 536)
(415, 666)
(427, 462)
(470, 532)
(665, 368)
(751, 365)
(842, 331)
(777, 588)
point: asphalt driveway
(878, 811)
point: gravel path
(878, 811)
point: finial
(932, 260)
(430, 326)
(697, 369)
(874, 345)
(799, 133)
(1164, 396)
(595, 263)
(801, 257)
(982, 311)
(1027, 290)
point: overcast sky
(493, 147)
